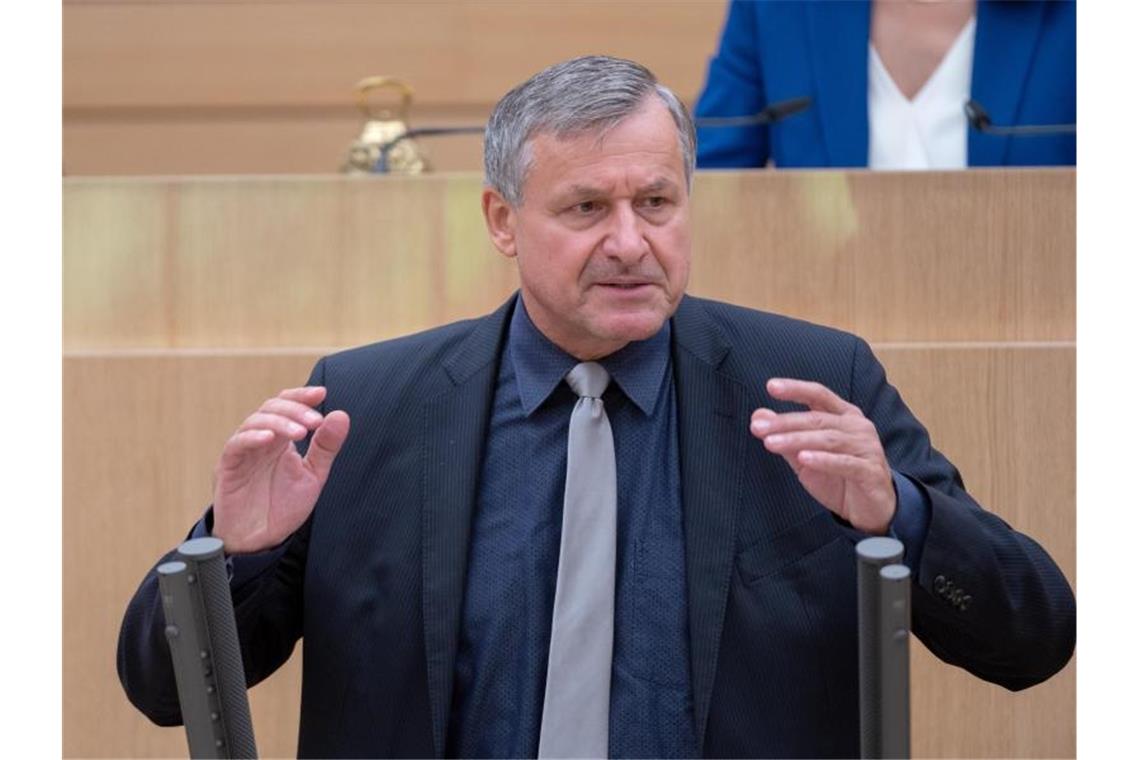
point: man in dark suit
(417, 555)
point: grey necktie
(576, 710)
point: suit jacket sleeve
(986, 597)
(734, 87)
(267, 594)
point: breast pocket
(792, 616)
(788, 547)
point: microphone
(770, 114)
(980, 120)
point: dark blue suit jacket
(1025, 72)
(374, 580)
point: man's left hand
(834, 450)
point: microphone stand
(768, 115)
(980, 120)
(205, 651)
(884, 653)
(381, 165)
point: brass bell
(381, 134)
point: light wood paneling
(334, 261)
(141, 433)
(280, 262)
(304, 143)
(225, 86)
(310, 53)
(961, 256)
(118, 248)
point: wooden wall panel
(310, 53)
(306, 143)
(286, 262)
(333, 261)
(118, 253)
(142, 431)
(205, 78)
(978, 255)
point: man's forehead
(641, 153)
(643, 161)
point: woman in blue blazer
(1024, 73)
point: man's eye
(655, 201)
(586, 207)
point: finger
(763, 413)
(242, 444)
(282, 426)
(872, 504)
(300, 413)
(813, 395)
(765, 424)
(834, 441)
(308, 394)
(326, 443)
(845, 466)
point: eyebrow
(589, 191)
(658, 185)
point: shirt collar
(638, 368)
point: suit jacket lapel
(838, 35)
(453, 433)
(1005, 41)
(712, 413)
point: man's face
(602, 234)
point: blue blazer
(374, 580)
(1024, 72)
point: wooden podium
(188, 301)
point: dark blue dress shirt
(512, 566)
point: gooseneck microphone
(770, 114)
(980, 120)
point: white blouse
(930, 131)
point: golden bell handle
(368, 84)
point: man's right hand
(263, 489)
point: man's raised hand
(263, 488)
(834, 450)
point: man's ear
(501, 220)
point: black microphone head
(977, 115)
(980, 120)
(770, 114)
(786, 108)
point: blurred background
(266, 86)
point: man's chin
(630, 327)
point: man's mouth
(625, 284)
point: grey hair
(591, 94)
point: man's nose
(625, 236)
